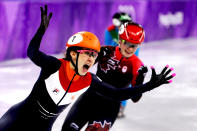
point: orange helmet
(132, 32)
(84, 39)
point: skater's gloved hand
(159, 79)
(45, 19)
(141, 74)
(143, 69)
(136, 98)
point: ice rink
(171, 107)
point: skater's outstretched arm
(120, 94)
(38, 57)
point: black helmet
(120, 18)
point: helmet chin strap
(76, 65)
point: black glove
(44, 18)
(141, 75)
(159, 79)
(139, 80)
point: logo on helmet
(77, 38)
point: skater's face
(127, 49)
(85, 61)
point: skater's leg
(104, 117)
(78, 115)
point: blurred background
(19, 20)
(171, 38)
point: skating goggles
(130, 45)
(90, 53)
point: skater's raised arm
(120, 94)
(33, 52)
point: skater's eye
(130, 45)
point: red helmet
(84, 39)
(132, 32)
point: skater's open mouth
(86, 66)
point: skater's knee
(70, 127)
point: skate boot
(121, 112)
